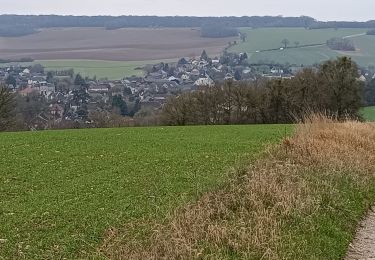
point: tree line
(340, 44)
(218, 31)
(18, 25)
(334, 89)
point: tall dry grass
(258, 214)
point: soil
(129, 44)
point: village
(60, 99)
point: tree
(204, 56)
(177, 111)
(81, 97)
(285, 42)
(278, 100)
(28, 109)
(127, 91)
(339, 79)
(136, 107)
(297, 43)
(49, 77)
(237, 75)
(340, 44)
(37, 68)
(11, 81)
(79, 81)
(183, 61)
(7, 105)
(243, 37)
(218, 31)
(370, 93)
(119, 104)
(243, 57)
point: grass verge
(303, 200)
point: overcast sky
(349, 10)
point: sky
(324, 10)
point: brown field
(130, 44)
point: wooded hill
(18, 25)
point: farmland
(61, 190)
(131, 44)
(112, 70)
(100, 69)
(270, 38)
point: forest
(18, 25)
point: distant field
(61, 190)
(270, 38)
(99, 68)
(130, 44)
(369, 113)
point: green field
(100, 69)
(369, 114)
(61, 190)
(270, 38)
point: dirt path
(363, 246)
(354, 35)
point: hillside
(260, 41)
(303, 200)
(130, 44)
(61, 190)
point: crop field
(60, 191)
(130, 44)
(270, 38)
(100, 68)
(369, 113)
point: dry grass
(302, 200)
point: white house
(204, 82)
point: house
(174, 79)
(277, 71)
(204, 82)
(215, 62)
(362, 78)
(102, 89)
(185, 77)
(195, 72)
(229, 76)
(46, 89)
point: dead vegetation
(301, 201)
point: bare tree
(285, 42)
(243, 37)
(7, 105)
